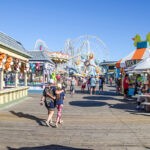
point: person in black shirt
(101, 83)
(48, 98)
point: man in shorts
(101, 83)
(92, 85)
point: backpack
(51, 90)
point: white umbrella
(143, 65)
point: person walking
(92, 85)
(64, 85)
(88, 84)
(101, 83)
(48, 98)
(72, 86)
(126, 85)
(118, 85)
(83, 85)
(110, 81)
(60, 96)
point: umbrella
(143, 65)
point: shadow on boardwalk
(47, 147)
(40, 121)
(102, 93)
(128, 105)
(100, 97)
(87, 103)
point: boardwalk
(99, 122)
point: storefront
(41, 67)
(108, 69)
(13, 69)
(133, 58)
(128, 63)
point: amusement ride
(81, 56)
(85, 54)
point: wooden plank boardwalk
(98, 122)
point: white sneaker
(47, 123)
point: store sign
(130, 63)
(143, 44)
(112, 70)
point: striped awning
(137, 54)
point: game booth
(14, 65)
(41, 68)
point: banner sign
(117, 70)
(130, 63)
(143, 44)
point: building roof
(131, 58)
(38, 55)
(11, 43)
(108, 63)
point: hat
(51, 81)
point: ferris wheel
(87, 44)
(81, 48)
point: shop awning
(137, 54)
(143, 65)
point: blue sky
(115, 22)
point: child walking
(60, 96)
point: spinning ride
(86, 52)
(60, 60)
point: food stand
(127, 64)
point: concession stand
(127, 64)
(14, 65)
